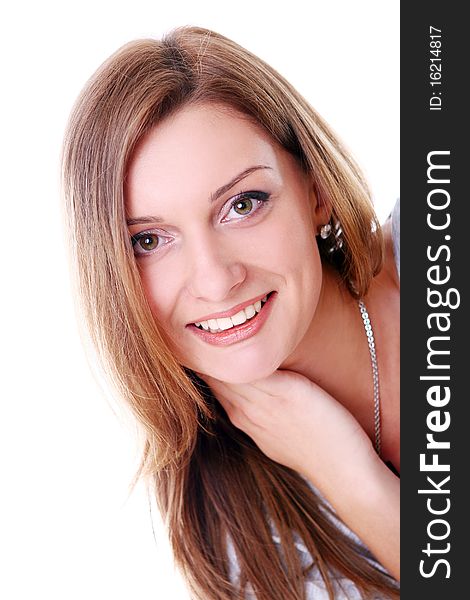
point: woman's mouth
(247, 313)
(243, 324)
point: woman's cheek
(160, 291)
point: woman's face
(223, 224)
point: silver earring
(338, 233)
(336, 241)
(325, 231)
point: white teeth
(225, 323)
(250, 311)
(239, 318)
(222, 324)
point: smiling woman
(229, 308)
(235, 230)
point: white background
(67, 527)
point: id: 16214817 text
(435, 68)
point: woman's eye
(244, 205)
(147, 242)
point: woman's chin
(240, 373)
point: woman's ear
(321, 208)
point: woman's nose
(215, 270)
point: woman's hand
(296, 423)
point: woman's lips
(237, 333)
(229, 313)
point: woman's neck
(334, 352)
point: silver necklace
(375, 372)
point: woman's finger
(238, 394)
(241, 412)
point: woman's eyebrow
(144, 220)
(225, 188)
(213, 197)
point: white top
(344, 588)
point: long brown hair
(219, 494)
